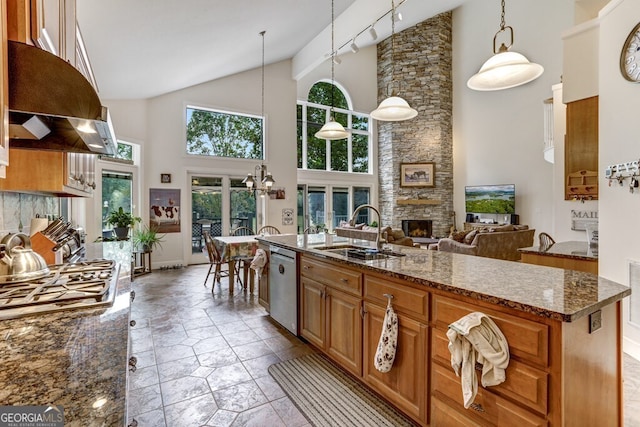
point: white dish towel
(259, 261)
(386, 352)
(476, 337)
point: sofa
(501, 242)
(364, 232)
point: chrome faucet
(354, 215)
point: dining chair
(242, 262)
(546, 241)
(215, 260)
(312, 229)
(268, 229)
(243, 231)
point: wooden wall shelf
(418, 202)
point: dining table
(235, 249)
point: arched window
(344, 155)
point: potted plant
(121, 222)
(146, 238)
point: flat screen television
(490, 199)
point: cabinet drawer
(523, 384)
(487, 408)
(527, 340)
(443, 416)
(332, 275)
(406, 300)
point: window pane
(316, 117)
(116, 193)
(206, 202)
(213, 133)
(342, 118)
(359, 122)
(360, 153)
(316, 203)
(320, 93)
(340, 205)
(243, 206)
(339, 155)
(361, 197)
(316, 150)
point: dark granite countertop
(76, 358)
(564, 295)
(572, 249)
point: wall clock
(630, 56)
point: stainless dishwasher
(283, 295)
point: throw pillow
(468, 239)
(458, 236)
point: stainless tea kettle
(18, 262)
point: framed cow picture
(417, 174)
(164, 210)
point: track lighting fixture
(373, 33)
(398, 16)
(336, 59)
(354, 46)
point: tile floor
(203, 359)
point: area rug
(328, 397)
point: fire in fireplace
(417, 228)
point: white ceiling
(144, 48)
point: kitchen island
(563, 328)
(570, 255)
(76, 358)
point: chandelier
(266, 181)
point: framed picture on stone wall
(417, 174)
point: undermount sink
(361, 253)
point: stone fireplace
(420, 72)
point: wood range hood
(52, 106)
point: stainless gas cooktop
(87, 284)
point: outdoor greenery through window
(224, 134)
(343, 155)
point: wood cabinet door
(406, 383)
(4, 93)
(312, 311)
(344, 330)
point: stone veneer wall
(421, 71)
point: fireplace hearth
(420, 230)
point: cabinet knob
(306, 267)
(344, 280)
(132, 323)
(133, 423)
(133, 295)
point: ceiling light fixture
(266, 180)
(373, 33)
(393, 108)
(504, 69)
(332, 129)
(354, 46)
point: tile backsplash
(19, 208)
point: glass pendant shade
(249, 181)
(394, 109)
(268, 181)
(332, 130)
(505, 70)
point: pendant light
(332, 129)
(504, 69)
(266, 180)
(393, 108)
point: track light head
(354, 46)
(336, 60)
(373, 33)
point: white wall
(498, 136)
(619, 228)
(357, 73)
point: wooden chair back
(243, 231)
(268, 229)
